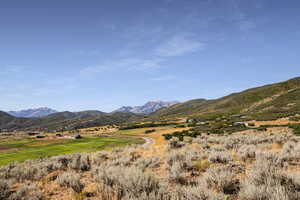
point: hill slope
(262, 103)
(65, 120)
(5, 118)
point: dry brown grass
(6, 149)
(281, 121)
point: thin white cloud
(125, 64)
(138, 64)
(179, 45)
(94, 69)
(164, 78)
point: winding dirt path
(148, 142)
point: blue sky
(100, 54)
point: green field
(28, 149)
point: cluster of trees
(181, 134)
(296, 128)
(295, 118)
(150, 131)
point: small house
(200, 123)
(236, 116)
(190, 121)
(240, 123)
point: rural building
(240, 123)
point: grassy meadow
(29, 149)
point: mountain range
(37, 112)
(148, 108)
(47, 119)
(267, 102)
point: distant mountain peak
(147, 108)
(33, 112)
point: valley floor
(29, 148)
(22, 148)
(248, 165)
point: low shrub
(188, 139)
(220, 157)
(202, 165)
(288, 147)
(5, 189)
(128, 181)
(99, 157)
(217, 149)
(26, 171)
(182, 158)
(222, 179)
(269, 158)
(231, 143)
(174, 143)
(80, 162)
(146, 163)
(246, 152)
(27, 191)
(71, 180)
(267, 181)
(176, 173)
(125, 160)
(198, 192)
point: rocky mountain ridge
(148, 108)
(33, 113)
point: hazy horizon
(101, 55)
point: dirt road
(148, 141)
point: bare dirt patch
(281, 121)
(47, 142)
(6, 149)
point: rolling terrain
(262, 103)
(238, 167)
(215, 159)
(65, 120)
(268, 102)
